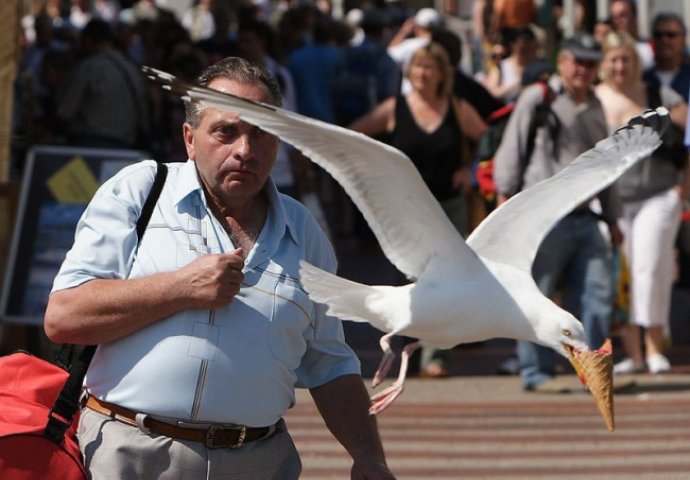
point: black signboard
(58, 184)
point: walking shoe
(628, 365)
(552, 385)
(658, 364)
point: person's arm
(405, 30)
(683, 188)
(472, 124)
(377, 121)
(509, 161)
(344, 405)
(102, 310)
(679, 114)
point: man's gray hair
(238, 70)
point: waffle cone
(598, 369)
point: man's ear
(188, 135)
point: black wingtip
(659, 120)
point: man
(104, 102)
(574, 254)
(670, 68)
(204, 330)
(365, 75)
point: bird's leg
(383, 399)
(386, 361)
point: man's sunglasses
(662, 34)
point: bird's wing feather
(384, 184)
(528, 216)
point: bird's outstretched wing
(384, 184)
(528, 216)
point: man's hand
(212, 281)
(364, 470)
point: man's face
(233, 158)
(669, 40)
(577, 75)
(622, 16)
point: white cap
(428, 18)
(354, 17)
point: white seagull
(462, 291)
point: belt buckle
(213, 430)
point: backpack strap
(540, 119)
(653, 94)
(67, 402)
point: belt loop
(140, 418)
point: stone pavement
(486, 427)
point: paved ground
(471, 427)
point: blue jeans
(573, 259)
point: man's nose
(243, 145)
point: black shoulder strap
(653, 94)
(152, 199)
(67, 402)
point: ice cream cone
(596, 368)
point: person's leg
(630, 334)
(434, 362)
(589, 279)
(537, 363)
(653, 236)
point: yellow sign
(73, 183)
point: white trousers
(650, 227)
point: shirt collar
(187, 183)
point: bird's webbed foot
(385, 398)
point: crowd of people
(204, 330)
(398, 75)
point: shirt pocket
(291, 329)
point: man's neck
(578, 95)
(667, 65)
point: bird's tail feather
(345, 299)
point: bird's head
(593, 367)
(562, 332)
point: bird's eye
(566, 332)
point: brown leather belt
(215, 436)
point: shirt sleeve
(106, 238)
(328, 355)
(508, 163)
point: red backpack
(29, 387)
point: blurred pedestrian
(652, 193)
(575, 255)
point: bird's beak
(595, 369)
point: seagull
(460, 291)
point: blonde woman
(651, 195)
(430, 126)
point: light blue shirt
(238, 364)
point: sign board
(57, 185)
